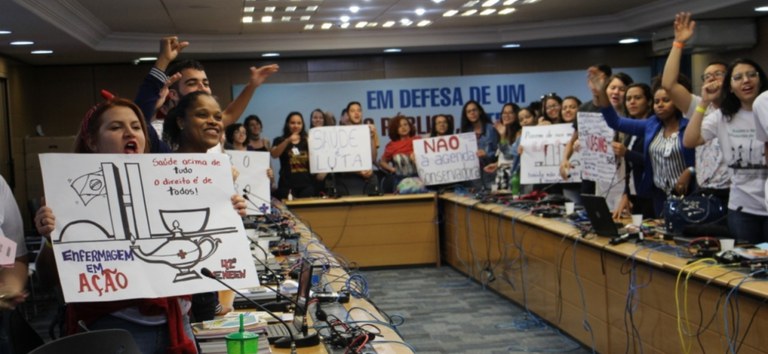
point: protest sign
(252, 181)
(340, 149)
(143, 226)
(542, 153)
(447, 159)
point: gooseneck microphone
(277, 279)
(207, 272)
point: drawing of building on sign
(552, 155)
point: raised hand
(683, 27)
(261, 74)
(170, 47)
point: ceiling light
(5, 32)
(470, 3)
(266, 19)
(344, 25)
(285, 19)
(629, 40)
(420, 11)
(511, 45)
(267, 55)
(326, 25)
(354, 9)
(489, 3)
(405, 22)
(361, 24)
(247, 19)
(309, 26)
(373, 24)
(437, 1)
(46, 51)
(290, 8)
(487, 12)
(508, 2)
(249, 9)
(762, 9)
(529, 1)
(450, 13)
(22, 43)
(312, 8)
(424, 23)
(269, 9)
(344, 18)
(469, 12)
(392, 50)
(507, 11)
(388, 24)
(140, 59)
(305, 18)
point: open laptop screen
(599, 215)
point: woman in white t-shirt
(734, 125)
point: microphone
(277, 304)
(307, 340)
(623, 238)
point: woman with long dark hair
(475, 120)
(293, 151)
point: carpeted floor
(447, 313)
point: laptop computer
(600, 216)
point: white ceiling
(110, 31)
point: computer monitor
(302, 295)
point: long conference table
(615, 299)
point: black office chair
(106, 341)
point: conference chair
(106, 341)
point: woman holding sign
(508, 159)
(474, 119)
(293, 150)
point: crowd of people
(674, 142)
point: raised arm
(236, 108)
(680, 96)
(692, 136)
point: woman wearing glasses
(667, 161)
(734, 126)
(551, 104)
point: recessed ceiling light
(312, 8)
(437, 1)
(487, 12)
(290, 8)
(388, 24)
(420, 11)
(267, 55)
(46, 51)
(285, 19)
(247, 19)
(508, 2)
(354, 9)
(511, 45)
(361, 24)
(629, 40)
(470, 3)
(424, 23)
(762, 9)
(22, 43)
(489, 3)
(450, 13)
(5, 32)
(266, 19)
(529, 1)
(469, 12)
(269, 9)
(309, 26)
(405, 22)
(249, 9)
(344, 18)
(147, 59)
(507, 11)
(305, 18)
(372, 24)
(326, 25)
(344, 25)
(392, 50)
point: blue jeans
(150, 339)
(747, 227)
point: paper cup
(569, 208)
(726, 244)
(637, 219)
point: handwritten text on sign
(121, 218)
(447, 159)
(252, 180)
(598, 159)
(542, 153)
(340, 149)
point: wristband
(678, 44)
(701, 109)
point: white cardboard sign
(447, 159)
(252, 181)
(543, 148)
(340, 149)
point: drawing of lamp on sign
(185, 242)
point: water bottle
(515, 183)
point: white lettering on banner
(447, 159)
